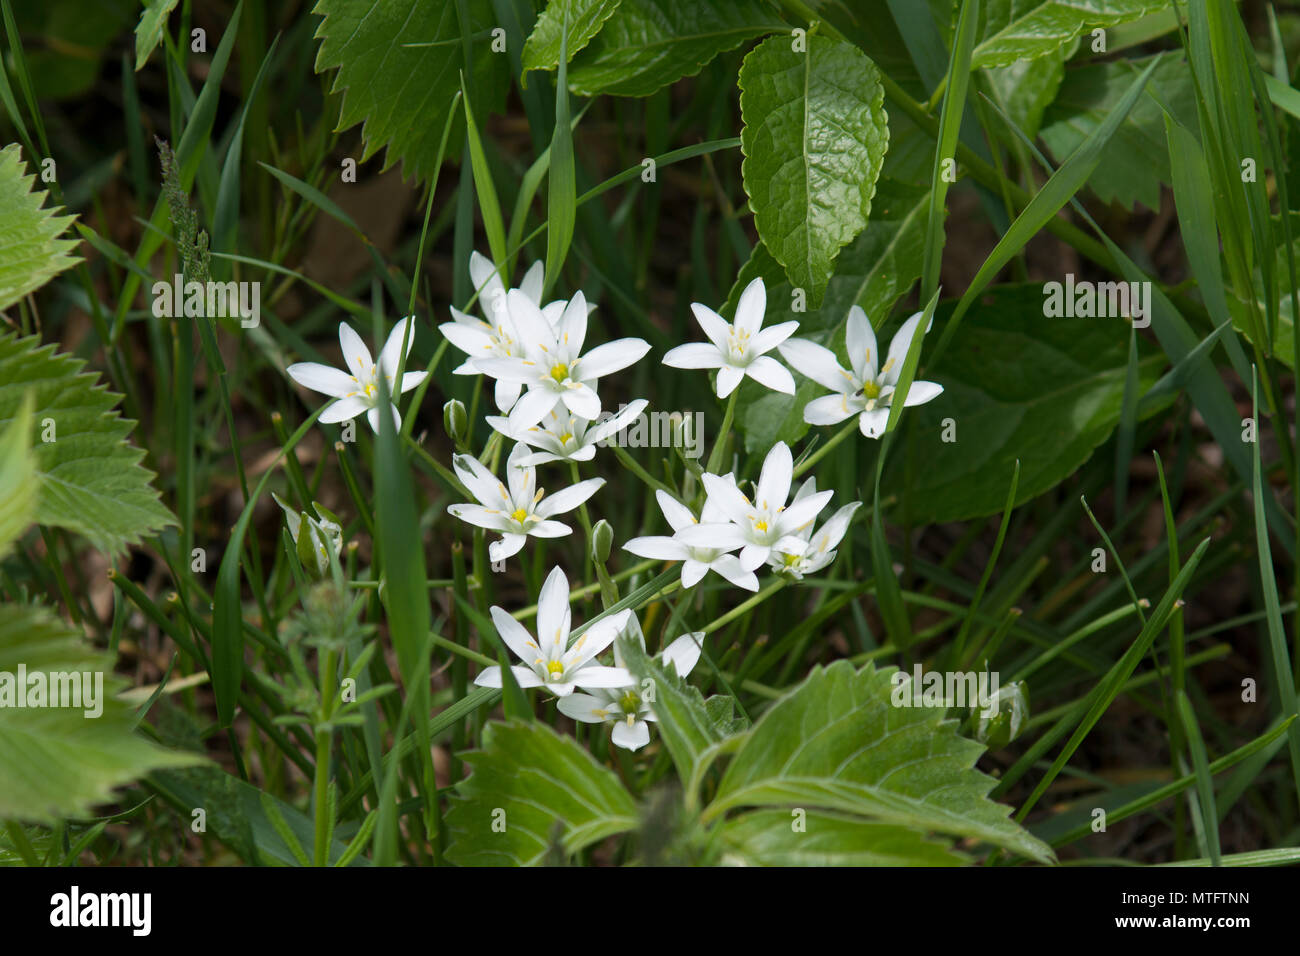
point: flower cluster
(547, 393)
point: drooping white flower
(325, 534)
(821, 544)
(623, 707)
(517, 511)
(357, 389)
(763, 525)
(699, 558)
(738, 349)
(549, 661)
(560, 437)
(867, 391)
(495, 337)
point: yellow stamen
(519, 515)
(559, 371)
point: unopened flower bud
(602, 539)
(455, 420)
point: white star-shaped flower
(560, 437)
(867, 391)
(520, 510)
(623, 707)
(738, 349)
(553, 368)
(549, 661)
(821, 544)
(699, 558)
(763, 525)
(357, 389)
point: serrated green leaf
(533, 785)
(399, 64)
(839, 742)
(586, 17)
(149, 31)
(31, 252)
(1025, 29)
(1135, 168)
(1025, 89)
(19, 480)
(91, 478)
(1018, 385)
(58, 762)
(814, 139)
(647, 44)
(770, 838)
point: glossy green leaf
(647, 44)
(399, 64)
(585, 18)
(814, 140)
(1024, 29)
(1017, 385)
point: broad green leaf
(647, 44)
(814, 139)
(683, 718)
(1018, 385)
(873, 271)
(19, 480)
(529, 787)
(31, 252)
(235, 813)
(839, 742)
(769, 838)
(1024, 90)
(1025, 29)
(399, 64)
(91, 478)
(1134, 169)
(149, 31)
(57, 761)
(586, 17)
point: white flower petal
(750, 308)
(323, 379)
(774, 480)
(828, 410)
(630, 738)
(770, 373)
(694, 355)
(342, 409)
(922, 392)
(860, 339)
(568, 498)
(656, 547)
(610, 357)
(728, 379)
(356, 357)
(392, 350)
(817, 363)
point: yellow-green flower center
(370, 390)
(519, 514)
(870, 390)
(559, 371)
(630, 702)
(760, 525)
(554, 668)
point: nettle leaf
(873, 271)
(1017, 385)
(149, 31)
(838, 743)
(1024, 29)
(1024, 90)
(399, 64)
(91, 478)
(586, 17)
(19, 480)
(31, 252)
(529, 788)
(1136, 163)
(814, 140)
(647, 44)
(57, 762)
(820, 838)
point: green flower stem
(745, 608)
(715, 456)
(848, 429)
(324, 739)
(631, 465)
